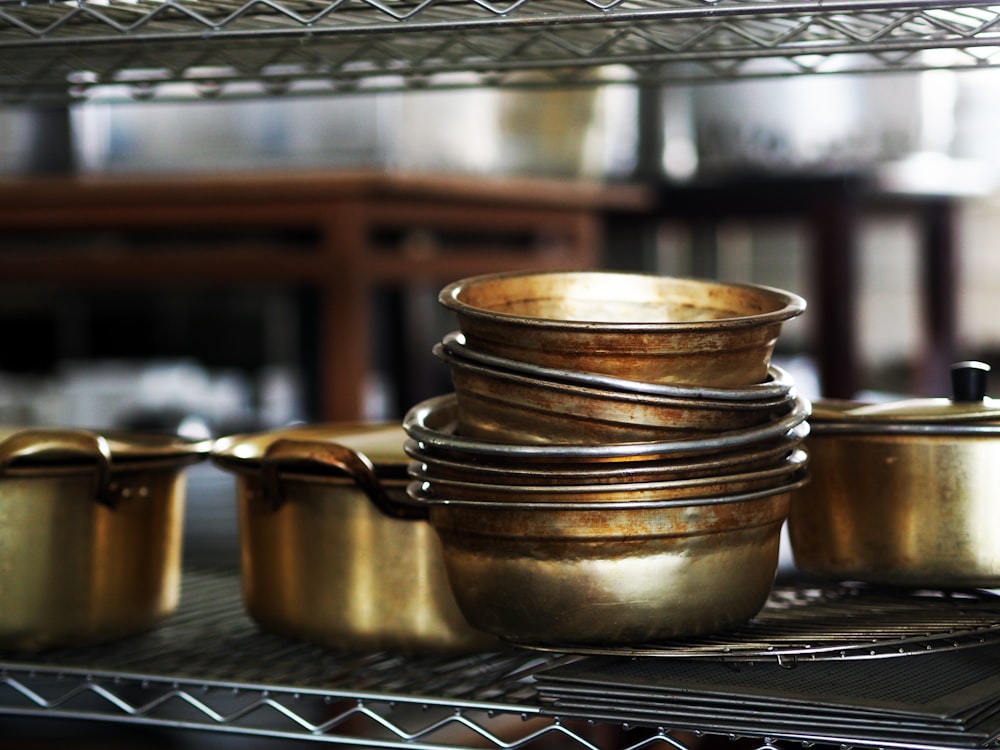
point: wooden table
(353, 232)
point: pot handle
(286, 452)
(39, 442)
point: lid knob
(968, 381)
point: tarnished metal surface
(778, 383)
(636, 326)
(89, 548)
(913, 509)
(322, 563)
(498, 405)
(770, 454)
(719, 485)
(618, 574)
(431, 424)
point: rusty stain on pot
(623, 324)
(900, 502)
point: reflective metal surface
(635, 326)
(913, 509)
(778, 383)
(767, 455)
(432, 425)
(610, 573)
(321, 562)
(499, 405)
(89, 549)
(711, 486)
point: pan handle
(285, 453)
(37, 443)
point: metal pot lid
(29, 448)
(969, 410)
(380, 442)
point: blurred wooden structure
(343, 234)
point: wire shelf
(232, 48)
(209, 667)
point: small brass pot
(630, 325)
(330, 551)
(90, 534)
(903, 493)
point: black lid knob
(968, 381)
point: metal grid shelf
(234, 48)
(209, 668)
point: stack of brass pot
(616, 461)
(90, 533)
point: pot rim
(30, 451)
(789, 305)
(778, 384)
(419, 496)
(602, 392)
(374, 440)
(783, 444)
(796, 461)
(423, 423)
(929, 429)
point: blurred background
(872, 196)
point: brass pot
(635, 326)
(693, 488)
(90, 534)
(610, 573)
(903, 493)
(432, 426)
(767, 455)
(328, 553)
(778, 383)
(496, 404)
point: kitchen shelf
(209, 668)
(79, 49)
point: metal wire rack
(232, 48)
(844, 622)
(210, 668)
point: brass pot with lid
(91, 531)
(331, 552)
(904, 493)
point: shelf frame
(179, 49)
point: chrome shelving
(209, 668)
(233, 48)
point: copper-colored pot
(610, 573)
(688, 488)
(635, 326)
(769, 454)
(432, 425)
(902, 493)
(328, 554)
(91, 534)
(496, 404)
